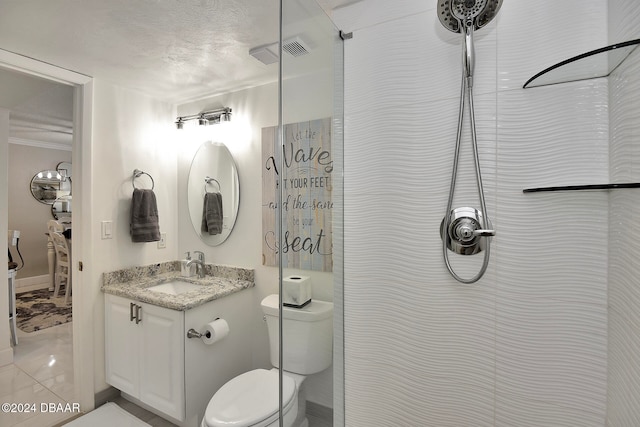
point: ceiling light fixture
(206, 117)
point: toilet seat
(250, 400)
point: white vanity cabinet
(145, 353)
(154, 363)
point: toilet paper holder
(192, 333)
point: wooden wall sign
(306, 202)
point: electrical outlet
(162, 243)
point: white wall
(624, 295)
(133, 131)
(130, 131)
(527, 344)
(253, 109)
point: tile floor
(42, 372)
(317, 420)
(148, 417)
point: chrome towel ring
(138, 173)
(209, 180)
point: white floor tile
(42, 372)
(13, 378)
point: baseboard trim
(320, 411)
(32, 283)
(107, 395)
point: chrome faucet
(199, 262)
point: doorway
(40, 177)
(82, 326)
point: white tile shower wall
(623, 20)
(623, 390)
(527, 344)
(551, 291)
(535, 35)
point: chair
(52, 225)
(63, 264)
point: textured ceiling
(175, 50)
(170, 49)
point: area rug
(108, 415)
(37, 310)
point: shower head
(453, 13)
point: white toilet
(251, 399)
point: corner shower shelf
(583, 187)
(596, 63)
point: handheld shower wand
(466, 230)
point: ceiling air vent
(295, 46)
(268, 54)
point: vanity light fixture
(206, 117)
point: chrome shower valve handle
(462, 231)
(484, 233)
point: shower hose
(466, 92)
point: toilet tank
(308, 335)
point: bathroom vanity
(148, 355)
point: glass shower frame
(311, 88)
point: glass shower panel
(311, 212)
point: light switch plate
(106, 230)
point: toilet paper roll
(215, 331)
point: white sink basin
(174, 288)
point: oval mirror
(61, 209)
(48, 185)
(65, 169)
(213, 193)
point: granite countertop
(135, 282)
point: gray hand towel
(212, 214)
(144, 225)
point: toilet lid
(250, 399)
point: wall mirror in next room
(213, 193)
(48, 185)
